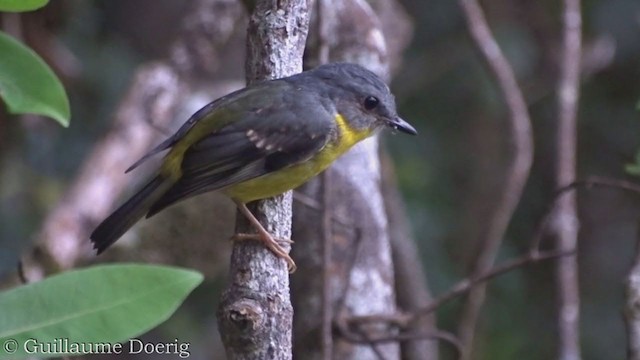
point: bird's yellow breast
(293, 176)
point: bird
(260, 141)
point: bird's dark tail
(114, 226)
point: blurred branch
(327, 251)
(323, 32)
(411, 288)
(632, 308)
(590, 182)
(399, 326)
(519, 134)
(403, 320)
(155, 95)
(360, 266)
(632, 305)
(565, 223)
(255, 315)
(360, 336)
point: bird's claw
(272, 244)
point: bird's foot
(272, 244)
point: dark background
(449, 175)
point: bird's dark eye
(370, 102)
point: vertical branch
(632, 306)
(276, 38)
(361, 276)
(519, 133)
(410, 280)
(255, 315)
(327, 251)
(326, 328)
(565, 228)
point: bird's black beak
(403, 126)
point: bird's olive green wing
(204, 121)
(267, 132)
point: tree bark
(632, 305)
(255, 314)
(358, 274)
(565, 224)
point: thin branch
(534, 255)
(312, 203)
(327, 239)
(504, 268)
(599, 181)
(361, 336)
(519, 136)
(21, 275)
(341, 302)
(587, 183)
(565, 227)
(466, 285)
(327, 250)
(366, 339)
(411, 287)
(405, 320)
(632, 305)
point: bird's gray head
(361, 97)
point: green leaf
(97, 305)
(28, 85)
(21, 5)
(633, 169)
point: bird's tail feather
(114, 226)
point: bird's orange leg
(264, 236)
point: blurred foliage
(450, 174)
(634, 169)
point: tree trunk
(255, 314)
(356, 278)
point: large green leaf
(27, 84)
(101, 304)
(21, 5)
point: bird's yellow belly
(283, 180)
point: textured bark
(632, 306)
(360, 270)
(255, 314)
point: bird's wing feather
(261, 140)
(197, 118)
